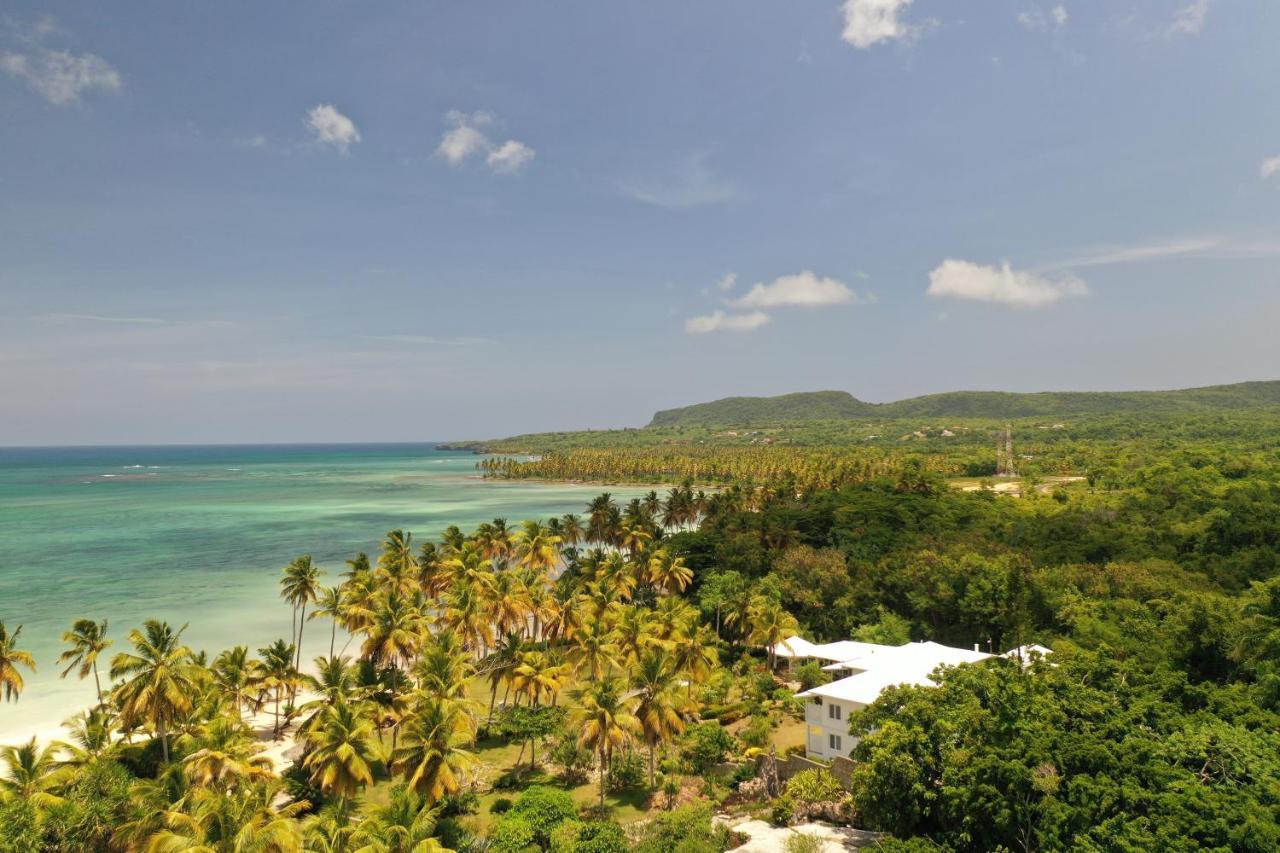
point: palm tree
(604, 720)
(160, 679)
(404, 825)
(696, 656)
(593, 653)
(277, 674)
(223, 754)
(12, 657)
(432, 757)
(396, 563)
(234, 672)
(31, 773)
(87, 639)
(536, 546)
(329, 603)
(770, 625)
(443, 668)
(91, 736)
(241, 819)
(539, 673)
(657, 704)
(669, 573)
(340, 750)
(499, 664)
(571, 530)
(300, 584)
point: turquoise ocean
(199, 535)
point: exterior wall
(820, 726)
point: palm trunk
(164, 740)
(297, 658)
(276, 731)
(652, 749)
(333, 638)
(96, 682)
(493, 697)
(603, 771)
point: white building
(870, 670)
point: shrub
(627, 772)
(782, 812)
(543, 809)
(596, 836)
(500, 805)
(687, 829)
(297, 782)
(802, 842)
(810, 675)
(756, 732)
(814, 786)
(574, 761)
(704, 745)
(512, 834)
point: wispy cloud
(60, 76)
(1270, 167)
(719, 321)
(101, 318)
(1201, 246)
(467, 138)
(1190, 19)
(691, 183)
(1039, 20)
(330, 127)
(430, 340)
(957, 279)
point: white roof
(799, 647)
(1029, 652)
(886, 666)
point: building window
(833, 741)
(835, 712)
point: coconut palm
(159, 679)
(433, 758)
(443, 668)
(31, 773)
(234, 672)
(340, 749)
(241, 819)
(223, 754)
(397, 565)
(300, 585)
(536, 546)
(658, 705)
(593, 652)
(604, 720)
(12, 657)
(330, 604)
(770, 625)
(571, 530)
(87, 640)
(539, 674)
(404, 825)
(498, 666)
(276, 675)
(668, 572)
(695, 655)
(91, 736)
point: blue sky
(353, 221)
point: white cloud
(465, 139)
(1190, 18)
(510, 156)
(1037, 20)
(331, 127)
(726, 282)
(100, 318)
(691, 183)
(803, 290)
(718, 321)
(61, 76)
(977, 282)
(869, 22)
(1270, 167)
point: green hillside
(840, 405)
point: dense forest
(601, 682)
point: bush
(810, 675)
(19, 830)
(782, 812)
(543, 809)
(500, 805)
(297, 782)
(705, 745)
(574, 761)
(687, 829)
(597, 836)
(802, 842)
(512, 834)
(814, 786)
(756, 732)
(627, 772)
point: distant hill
(840, 405)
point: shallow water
(199, 535)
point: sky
(345, 221)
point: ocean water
(199, 535)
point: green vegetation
(603, 681)
(835, 405)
